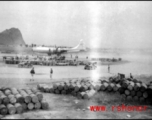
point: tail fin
(80, 43)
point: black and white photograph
(75, 59)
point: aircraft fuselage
(58, 50)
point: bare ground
(69, 107)
(66, 106)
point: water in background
(139, 62)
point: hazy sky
(112, 24)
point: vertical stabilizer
(80, 45)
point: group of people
(32, 72)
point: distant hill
(11, 36)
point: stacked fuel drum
(133, 89)
(13, 100)
(79, 88)
(129, 89)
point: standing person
(51, 73)
(131, 76)
(119, 76)
(32, 74)
(108, 68)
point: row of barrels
(132, 89)
(133, 84)
(77, 88)
(117, 79)
(14, 100)
(19, 108)
(86, 94)
(47, 63)
(12, 62)
(82, 88)
(128, 89)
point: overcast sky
(114, 24)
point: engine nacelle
(58, 50)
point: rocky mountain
(11, 36)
